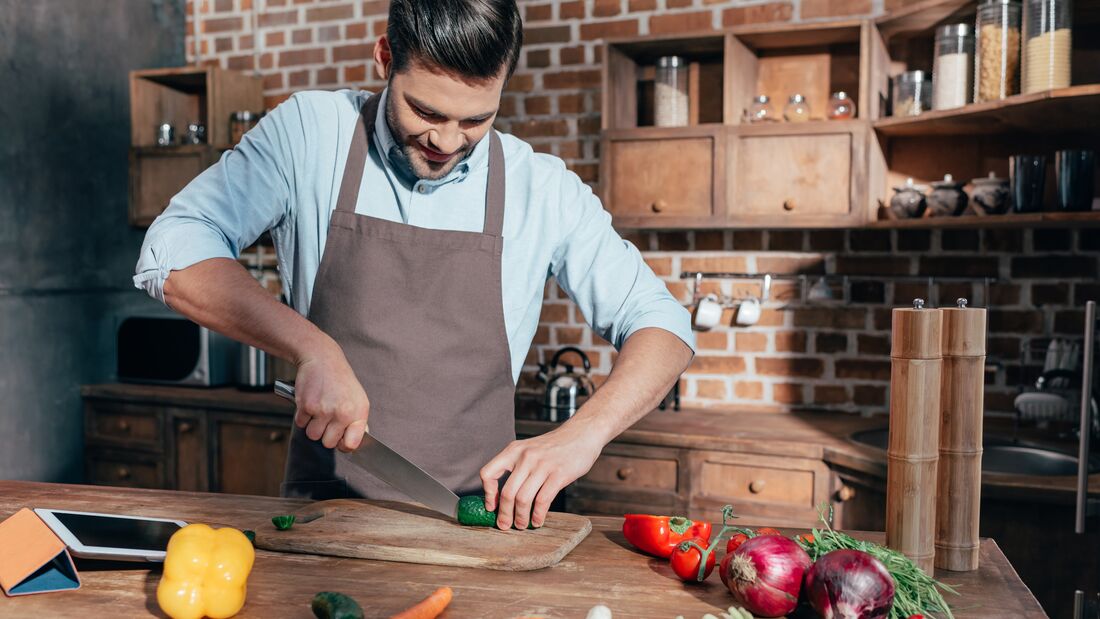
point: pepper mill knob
(918, 303)
(961, 302)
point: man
(417, 241)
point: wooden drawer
(123, 424)
(630, 478)
(784, 490)
(133, 470)
(249, 454)
(634, 472)
(656, 178)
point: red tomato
(736, 541)
(685, 562)
(767, 531)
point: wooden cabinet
(630, 478)
(780, 490)
(181, 447)
(158, 173)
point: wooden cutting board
(390, 531)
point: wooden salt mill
(915, 366)
(959, 487)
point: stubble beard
(410, 155)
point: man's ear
(383, 58)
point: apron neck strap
(359, 149)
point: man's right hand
(332, 405)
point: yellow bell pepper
(205, 573)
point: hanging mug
(748, 313)
(708, 312)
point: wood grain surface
(602, 569)
(390, 531)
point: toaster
(172, 350)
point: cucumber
(332, 605)
(472, 513)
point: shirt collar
(385, 140)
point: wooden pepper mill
(915, 366)
(959, 485)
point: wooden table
(601, 570)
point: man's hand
(332, 406)
(540, 467)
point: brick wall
(800, 354)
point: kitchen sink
(1002, 455)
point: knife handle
(284, 389)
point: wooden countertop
(816, 435)
(601, 570)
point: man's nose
(446, 139)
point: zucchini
(472, 513)
(332, 605)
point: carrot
(430, 607)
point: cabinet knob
(123, 472)
(659, 206)
(788, 205)
(186, 427)
(624, 473)
(275, 436)
(756, 486)
(845, 493)
(123, 425)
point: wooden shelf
(1008, 220)
(1064, 110)
(920, 18)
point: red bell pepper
(659, 535)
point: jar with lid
(797, 110)
(997, 55)
(947, 198)
(841, 107)
(761, 110)
(908, 201)
(912, 93)
(952, 69)
(670, 92)
(1047, 44)
(990, 195)
(239, 124)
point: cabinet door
(158, 173)
(189, 466)
(125, 468)
(655, 179)
(795, 180)
(123, 424)
(250, 455)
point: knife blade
(394, 469)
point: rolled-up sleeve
(227, 207)
(606, 276)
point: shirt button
(421, 188)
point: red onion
(765, 575)
(850, 584)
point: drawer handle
(186, 427)
(788, 205)
(275, 436)
(123, 426)
(123, 472)
(624, 473)
(846, 493)
(756, 486)
(659, 206)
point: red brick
(804, 264)
(716, 365)
(641, 5)
(571, 55)
(376, 7)
(836, 317)
(542, 335)
(590, 125)
(1011, 321)
(712, 340)
(711, 389)
(267, 61)
(673, 241)
(873, 345)
(830, 394)
(863, 369)
(681, 22)
(556, 313)
(790, 366)
(829, 343)
(757, 14)
(355, 73)
(301, 36)
(660, 266)
(281, 18)
(330, 13)
(785, 240)
(273, 81)
(571, 10)
(223, 6)
(537, 12)
(790, 341)
(359, 51)
(241, 63)
(677, 4)
(297, 79)
(222, 24)
(569, 335)
(538, 58)
(275, 39)
(733, 264)
(246, 42)
(606, 8)
(358, 30)
(869, 395)
(588, 172)
(378, 27)
(273, 101)
(787, 393)
(326, 34)
(570, 149)
(327, 76)
(571, 80)
(749, 390)
(223, 44)
(520, 82)
(536, 105)
(751, 342)
(540, 128)
(547, 34)
(298, 57)
(609, 29)
(709, 240)
(874, 265)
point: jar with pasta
(1047, 41)
(997, 59)
(912, 93)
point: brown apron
(419, 315)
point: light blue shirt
(285, 176)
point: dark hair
(474, 38)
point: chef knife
(394, 469)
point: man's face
(437, 118)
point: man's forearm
(221, 295)
(649, 364)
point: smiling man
(414, 243)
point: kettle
(567, 389)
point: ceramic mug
(748, 313)
(708, 312)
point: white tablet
(111, 536)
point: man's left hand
(540, 467)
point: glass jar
(761, 110)
(953, 67)
(797, 110)
(1047, 36)
(841, 107)
(670, 92)
(997, 55)
(239, 124)
(912, 93)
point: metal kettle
(567, 389)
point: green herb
(251, 535)
(283, 523)
(914, 591)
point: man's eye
(426, 115)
